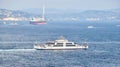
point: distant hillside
(11, 13)
(89, 15)
(65, 15)
(102, 15)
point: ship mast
(43, 12)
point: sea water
(16, 44)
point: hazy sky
(66, 4)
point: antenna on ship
(43, 13)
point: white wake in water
(24, 50)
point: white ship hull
(60, 48)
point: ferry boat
(60, 44)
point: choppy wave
(116, 42)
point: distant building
(92, 19)
(14, 19)
(11, 18)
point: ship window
(59, 43)
(68, 43)
(58, 46)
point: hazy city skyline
(60, 4)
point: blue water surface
(16, 44)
